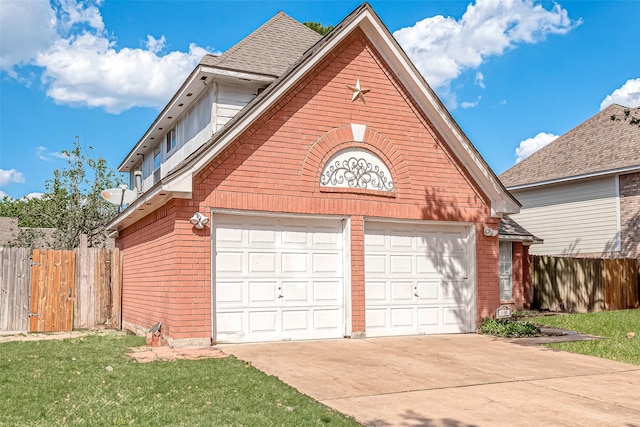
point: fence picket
(15, 282)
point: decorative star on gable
(358, 92)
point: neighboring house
(581, 193)
(299, 187)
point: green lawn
(612, 325)
(91, 382)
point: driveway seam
(486, 383)
(619, 405)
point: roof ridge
(268, 50)
(252, 35)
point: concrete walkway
(453, 380)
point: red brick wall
(275, 165)
(167, 273)
(488, 271)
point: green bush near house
(508, 328)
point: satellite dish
(119, 196)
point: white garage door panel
(416, 279)
(278, 279)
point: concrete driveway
(453, 380)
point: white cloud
(44, 154)
(82, 66)
(88, 71)
(7, 176)
(74, 12)
(35, 195)
(628, 95)
(479, 79)
(26, 28)
(467, 104)
(443, 47)
(531, 145)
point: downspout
(214, 109)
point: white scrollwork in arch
(356, 168)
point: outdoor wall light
(198, 220)
(490, 232)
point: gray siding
(572, 218)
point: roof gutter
(526, 240)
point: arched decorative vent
(356, 168)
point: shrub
(508, 328)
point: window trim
(157, 157)
(171, 140)
(502, 275)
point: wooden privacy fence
(584, 284)
(52, 290)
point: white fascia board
(146, 198)
(182, 186)
(526, 241)
(243, 75)
(599, 174)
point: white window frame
(506, 270)
(171, 140)
(157, 157)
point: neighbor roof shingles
(269, 50)
(599, 144)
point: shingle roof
(508, 228)
(599, 144)
(269, 50)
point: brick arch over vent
(348, 136)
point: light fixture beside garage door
(198, 220)
(490, 232)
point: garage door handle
(280, 296)
(416, 295)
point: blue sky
(513, 73)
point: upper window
(171, 139)
(157, 158)
(356, 168)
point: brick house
(299, 187)
(581, 193)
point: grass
(612, 325)
(91, 382)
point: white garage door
(417, 279)
(278, 278)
